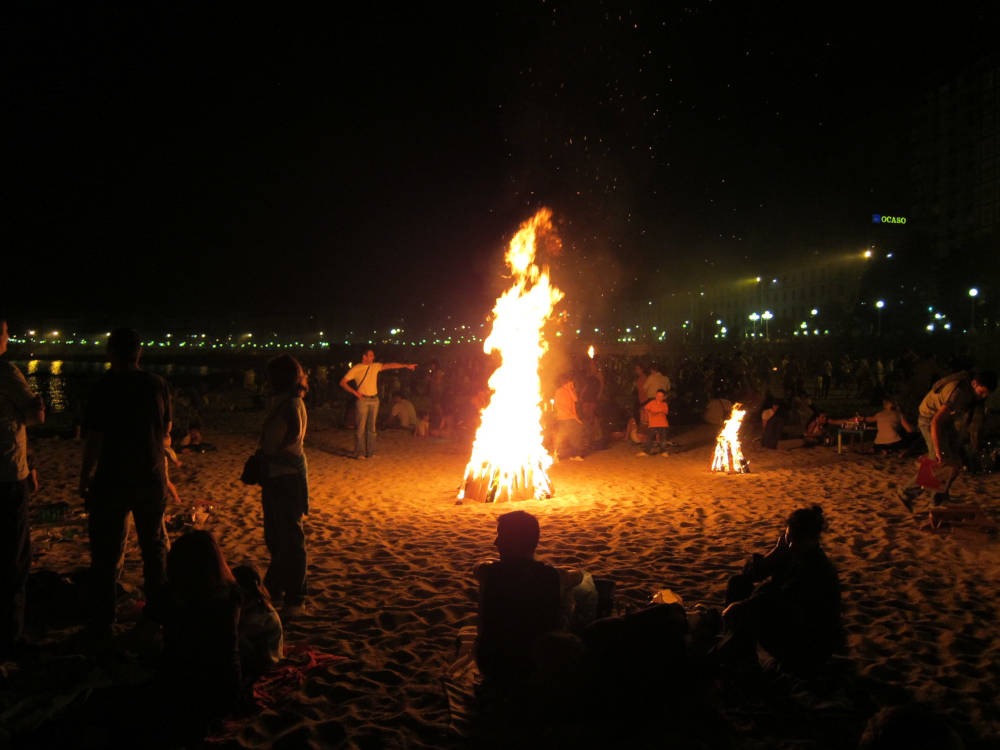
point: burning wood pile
(728, 453)
(508, 459)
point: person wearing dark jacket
(285, 491)
(787, 601)
(519, 602)
(123, 472)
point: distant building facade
(956, 160)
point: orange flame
(508, 460)
(728, 453)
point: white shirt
(367, 383)
(406, 412)
(655, 382)
(890, 427)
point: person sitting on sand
(423, 428)
(817, 430)
(201, 658)
(403, 414)
(519, 602)
(794, 616)
(260, 632)
(891, 426)
(197, 681)
(638, 662)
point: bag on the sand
(934, 475)
(255, 469)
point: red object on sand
(927, 475)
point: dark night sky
(174, 161)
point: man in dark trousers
(124, 471)
(19, 407)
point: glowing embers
(508, 460)
(728, 453)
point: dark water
(66, 384)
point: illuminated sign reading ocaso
(879, 219)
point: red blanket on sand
(280, 682)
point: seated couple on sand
(787, 602)
(220, 635)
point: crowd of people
(220, 630)
(221, 627)
(591, 401)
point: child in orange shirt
(656, 411)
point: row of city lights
(244, 341)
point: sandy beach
(391, 554)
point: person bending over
(794, 612)
(950, 402)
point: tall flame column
(508, 459)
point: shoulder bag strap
(365, 377)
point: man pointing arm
(365, 375)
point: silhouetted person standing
(124, 471)
(285, 490)
(19, 407)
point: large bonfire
(508, 460)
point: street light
(767, 316)
(973, 293)
(754, 317)
(879, 304)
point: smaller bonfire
(728, 453)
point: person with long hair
(200, 674)
(285, 490)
